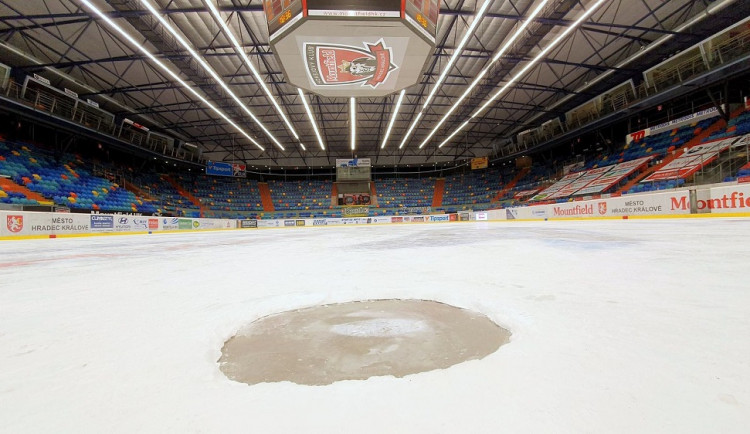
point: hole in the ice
(357, 340)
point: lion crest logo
(336, 65)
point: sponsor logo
(734, 200)
(320, 222)
(602, 208)
(124, 220)
(511, 214)
(355, 162)
(102, 222)
(14, 223)
(170, 223)
(140, 223)
(355, 211)
(183, 224)
(453, 217)
(196, 224)
(481, 216)
(248, 224)
(153, 223)
(680, 203)
(397, 219)
(439, 218)
(417, 219)
(638, 135)
(335, 65)
(539, 213)
(289, 223)
(577, 210)
(299, 222)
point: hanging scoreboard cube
(352, 48)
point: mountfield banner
(722, 200)
(674, 202)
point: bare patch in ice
(354, 341)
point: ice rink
(626, 326)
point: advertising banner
(245, 224)
(479, 163)
(676, 123)
(355, 211)
(554, 188)
(349, 199)
(615, 175)
(102, 223)
(218, 168)
(354, 162)
(722, 200)
(691, 160)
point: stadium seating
(67, 181)
(395, 193)
(301, 198)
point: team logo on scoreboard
(335, 65)
(14, 223)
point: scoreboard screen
(281, 12)
(424, 15)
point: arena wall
(723, 200)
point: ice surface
(618, 326)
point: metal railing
(734, 47)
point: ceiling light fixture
(206, 67)
(456, 53)
(486, 69)
(393, 118)
(310, 117)
(353, 120)
(251, 66)
(568, 30)
(168, 71)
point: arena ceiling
(570, 51)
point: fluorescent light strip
(715, 7)
(454, 106)
(486, 69)
(451, 61)
(206, 67)
(457, 51)
(447, 139)
(169, 72)
(393, 118)
(250, 65)
(411, 128)
(312, 120)
(568, 30)
(539, 56)
(353, 120)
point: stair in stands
(719, 124)
(373, 195)
(9, 186)
(437, 197)
(194, 200)
(523, 172)
(265, 197)
(139, 192)
(334, 195)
